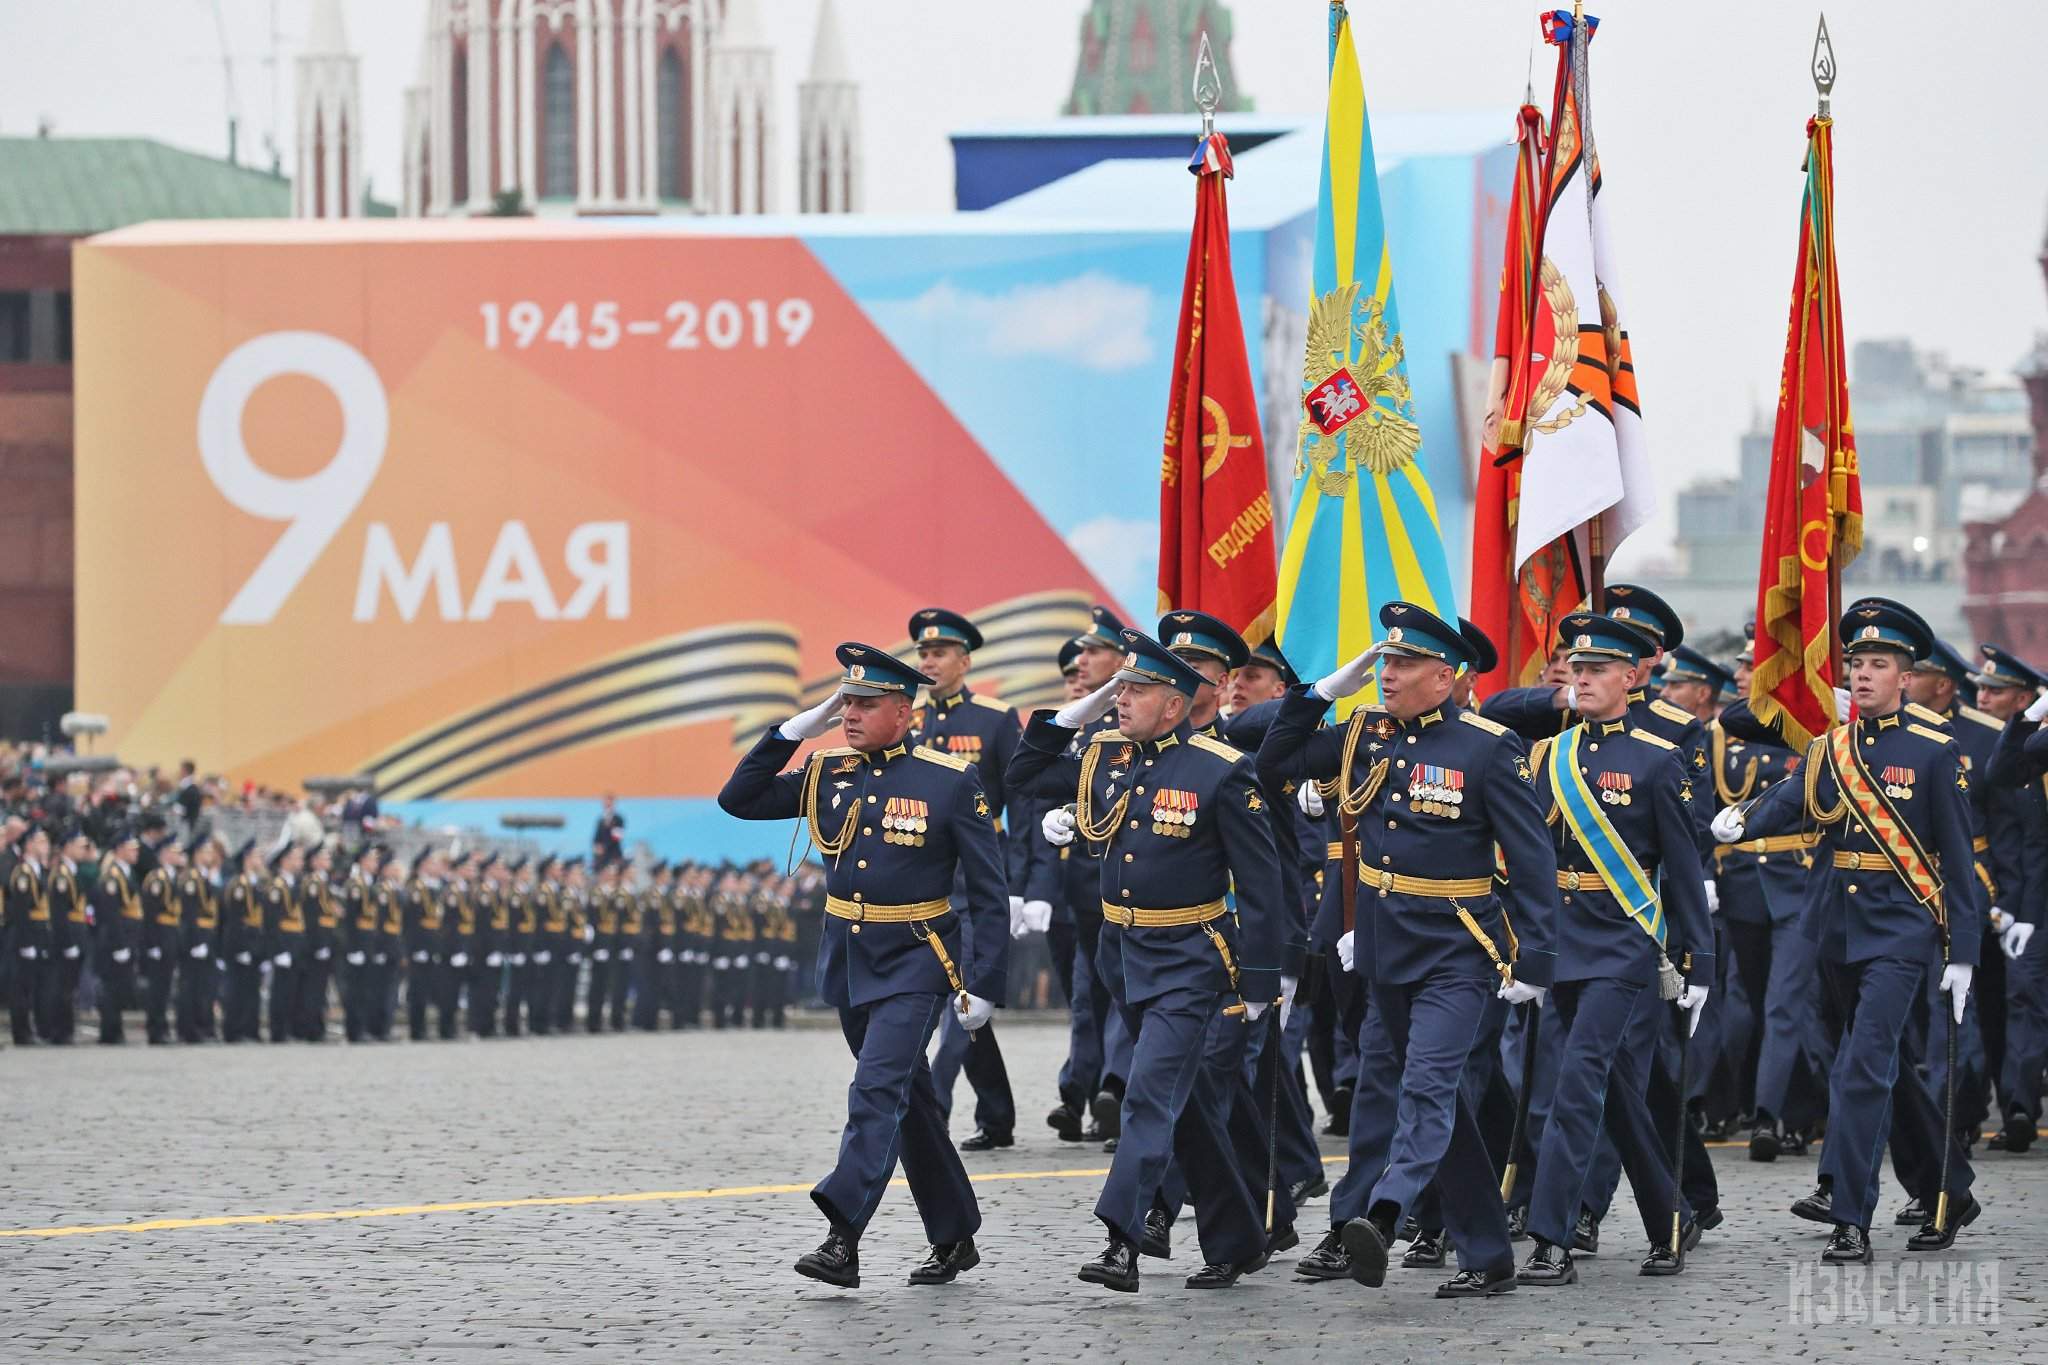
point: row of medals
(1177, 824)
(1615, 798)
(907, 830)
(1429, 798)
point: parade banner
(1586, 455)
(1814, 514)
(1363, 529)
(1215, 506)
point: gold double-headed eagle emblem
(1383, 436)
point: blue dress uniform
(1618, 940)
(1763, 891)
(2020, 804)
(1435, 936)
(1180, 823)
(894, 825)
(985, 732)
(1889, 797)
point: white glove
(1088, 709)
(322, 954)
(2037, 710)
(200, 951)
(590, 933)
(1842, 700)
(816, 721)
(1253, 1009)
(28, 954)
(973, 1011)
(1348, 679)
(282, 960)
(2000, 921)
(543, 957)
(1713, 897)
(782, 964)
(1692, 999)
(721, 963)
(1521, 993)
(519, 959)
(458, 961)
(1058, 826)
(244, 959)
(1310, 798)
(121, 955)
(420, 957)
(2015, 940)
(156, 954)
(665, 956)
(494, 959)
(1017, 929)
(602, 955)
(1955, 979)
(355, 959)
(1038, 916)
(71, 953)
(1288, 986)
(1345, 949)
(1727, 826)
(1568, 699)
(625, 954)
(576, 959)
(741, 959)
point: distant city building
(1138, 57)
(2007, 555)
(329, 128)
(595, 107)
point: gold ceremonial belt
(1583, 881)
(1863, 862)
(1776, 843)
(1460, 888)
(1980, 844)
(1130, 916)
(886, 914)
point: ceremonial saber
(1678, 1139)
(1532, 1015)
(1273, 1117)
(1948, 1105)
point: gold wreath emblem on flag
(1558, 366)
(1382, 438)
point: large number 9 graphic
(317, 505)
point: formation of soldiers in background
(242, 944)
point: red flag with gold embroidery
(1814, 509)
(1215, 508)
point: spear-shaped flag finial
(1208, 88)
(1823, 65)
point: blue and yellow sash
(1589, 825)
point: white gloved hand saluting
(1727, 826)
(1693, 999)
(1346, 947)
(2015, 939)
(1566, 698)
(1309, 797)
(1037, 916)
(1348, 679)
(1955, 981)
(1058, 826)
(974, 1011)
(2037, 710)
(816, 721)
(1521, 993)
(1842, 703)
(1089, 709)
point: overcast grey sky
(1941, 143)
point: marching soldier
(522, 922)
(1890, 798)
(362, 908)
(574, 903)
(459, 951)
(731, 955)
(625, 942)
(1186, 964)
(493, 930)
(284, 937)
(199, 960)
(424, 931)
(601, 936)
(664, 929)
(2007, 689)
(322, 910)
(1621, 800)
(242, 945)
(698, 928)
(541, 953)
(160, 924)
(28, 930)
(897, 823)
(117, 925)
(1435, 789)
(389, 963)
(71, 933)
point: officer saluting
(1434, 788)
(1890, 798)
(895, 823)
(1622, 803)
(1180, 823)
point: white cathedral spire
(742, 114)
(828, 124)
(328, 169)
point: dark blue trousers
(1432, 1027)
(2026, 1028)
(1776, 962)
(1602, 1072)
(1873, 1098)
(1300, 1157)
(1174, 1111)
(1378, 1085)
(891, 1111)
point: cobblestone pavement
(724, 1131)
